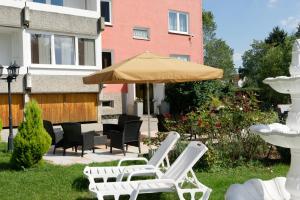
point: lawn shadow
(86, 198)
(4, 166)
(80, 184)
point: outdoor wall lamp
(12, 73)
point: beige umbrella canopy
(150, 68)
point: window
(39, 1)
(52, 2)
(106, 11)
(181, 57)
(106, 59)
(64, 50)
(86, 51)
(57, 2)
(108, 104)
(141, 33)
(40, 49)
(178, 22)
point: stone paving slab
(101, 155)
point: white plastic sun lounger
(118, 172)
(171, 181)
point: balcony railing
(88, 8)
(79, 4)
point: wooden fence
(17, 109)
(59, 108)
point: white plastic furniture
(171, 181)
(288, 135)
(119, 172)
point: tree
(218, 54)
(209, 26)
(32, 141)
(276, 37)
(268, 58)
(297, 33)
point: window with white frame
(86, 51)
(106, 10)
(180, 57)
(141, 33)
(64, 50)
(40, 49)
(178, 22)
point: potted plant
(138, 107)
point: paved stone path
(101, 155)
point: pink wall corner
(153, 15)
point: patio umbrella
(151, 68)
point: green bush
(1, 126)
(222, 124)
(32, 141)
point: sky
(239, 22)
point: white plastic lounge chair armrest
(143, 172)
(121, 176)
(132, 159)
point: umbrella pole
(148, 109)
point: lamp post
(12, 73)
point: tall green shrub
(32, 141)
(0, 127)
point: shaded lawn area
(49, 181)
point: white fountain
(287, 136)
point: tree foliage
(219, 54)
(209, 26)
(297, 33)
(32, 141)
(276, 37)
(268, 58)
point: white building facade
(56, 43)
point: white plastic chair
(171, 181)
(119, 172)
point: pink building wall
(152, 14)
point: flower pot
(138, 108)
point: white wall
(5, 49)
(17, 48)
(11, 48)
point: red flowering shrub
(223, 126)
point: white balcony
(10, 46)
(88, 8)
(85, 8)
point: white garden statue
(280, 135)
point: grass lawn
(59, 182)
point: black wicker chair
(129, 136)
(73, 137)
(57, 138)
(107, 128)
